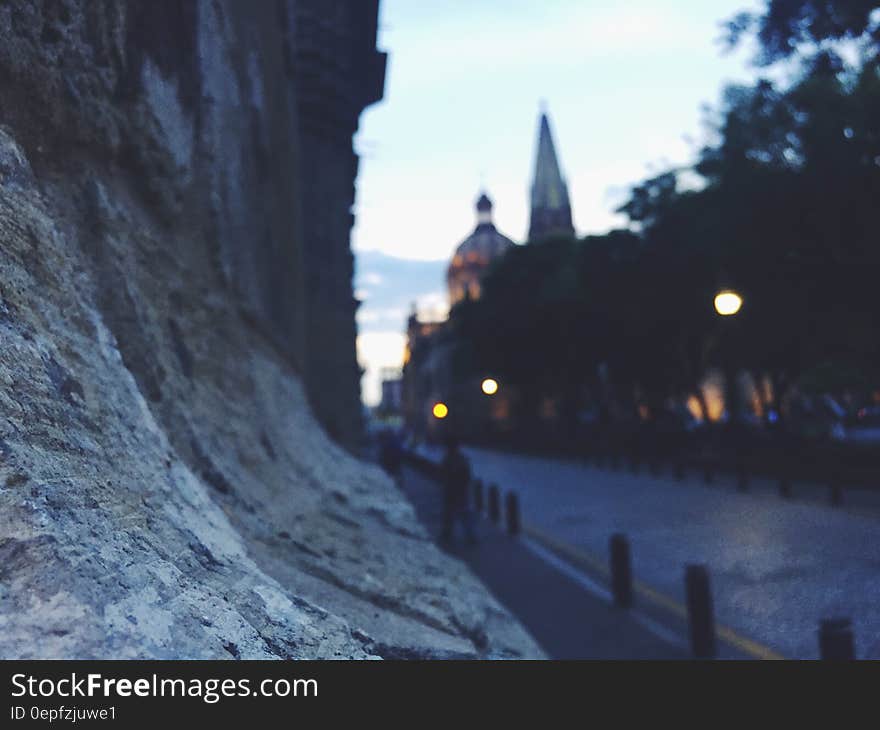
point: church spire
(551, 209)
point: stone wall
(176, 180)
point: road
(777, 566)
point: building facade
(392, 392)
(339, 72)
(475, 255)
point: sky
(625, 85)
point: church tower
(551, 209)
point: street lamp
(490, 386)
(440, 411)
(728, 303)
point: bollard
(700, 613)
(621, 571)
(494, 508)
(836, 640)
(511, 504)
(708, 474)
(742, 478)
(785, 487)
(836, 495)
(478, 496)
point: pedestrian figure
(391, 455)
(456, 478)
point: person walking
(456, 478)
(391, 456)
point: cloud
(433, 307)
(371, 278)
(558, 34)
(392, 315)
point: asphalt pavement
(778, 566)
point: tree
(787, 27)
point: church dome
(474, 255)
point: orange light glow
(696, 410)
(713, 396)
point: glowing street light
(490, 386)
(440, 411)
(728, 303)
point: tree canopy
(789, 27)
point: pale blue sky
(623, 83)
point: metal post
(621, 571)
(785, 487)
(836, 639)
(836, 495)
(634, 465)
(700, 612)
(708, 473)
(494, 504)
(512, 508)
(742, 477)
(478, 496)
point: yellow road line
(580, 557)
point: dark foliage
(787, 27)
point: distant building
(550, 205)
(425, 371)
(474, 255)
(392, 392)
(428, 372)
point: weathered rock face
(165, 490)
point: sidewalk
(566, 618)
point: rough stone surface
(164, 488)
